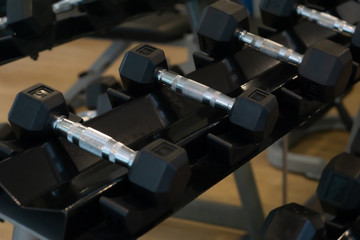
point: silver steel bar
(3, 23)
(194, 90)
(269, 48)
(94, 141)
(326, 20)
(65, 5)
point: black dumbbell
(32, 18)
(159, 171)
(349, 11)
(282, 14)
(28, 18)
(326, 66)
(339, 187)
(254, 111)
(291, 221)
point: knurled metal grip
(145, 67)
(269, 48)
(326, 20)
(194, 90)
(94, 141)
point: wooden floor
(60, 67)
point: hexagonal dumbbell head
(30, 18)
(279, 14)
(327, 67)
(291, 221)
(217, 28)
(3, 8)
(33, 110)
(137, 70)
(160, 172)
(256, 112)
(339, 186)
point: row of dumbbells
(29, 19)
(339, 194)
(165, 165)
(282, 15)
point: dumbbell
(28, 18)
(326, 66)
(291, 221)
(159, 171)
(254, 112)
(32, 18)
(284, 13)
(339, 187)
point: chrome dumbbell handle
(94, 141)
(65, 5)
(269, 48)
(326, 20)
(194, 90)
(3, 23)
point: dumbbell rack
(83, 188)
(70, 26)
(65, 186)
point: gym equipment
(168, 27)
(111, 208)
(29, 18)
(349, 11)
(291, 221)
(159, 171)
(282, 14)
(93, 7)
(255, 111)
(326, 66)
(32, 18)
(97, 88)
(339, 187)
(6, 132)
(86, 19)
